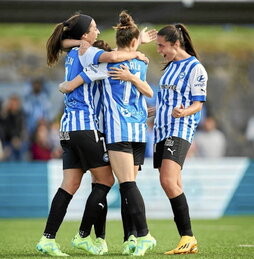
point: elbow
(149, 94)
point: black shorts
(172, 148)
(83, 149)
(135, 148)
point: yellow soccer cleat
(187, 245)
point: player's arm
(105, 57)
(119, 56)
(179, 112)
(198, 81)
(69, 86)
(124, 74)
(70, 43)
(88, 75)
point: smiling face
(167, 49)
(93, 33)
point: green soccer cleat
(49, 247)
(143, 244)
(129, 245)
(102, 245)
(87, 244)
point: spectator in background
(41, 146)
(14, 130)
(36, 104)
(57, 150)
(209, 141)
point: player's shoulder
(73, 51)
(198, 66)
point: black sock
(100, 224)
(134, 205)
(57, 212)
(181, 215)
(129, 227)
(94, 206)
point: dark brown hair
(73, 28)
(126, 30)
(172, 33)
(101, 44)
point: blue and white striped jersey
(125, 110)
(183, 82)
(80, 112)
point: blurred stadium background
(219, 180)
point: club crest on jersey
(181, 75)
(105, 157)
(169, 142)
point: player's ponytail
(172, 33)
(186, 41)
(126, 30)
(73, 28)
(54, 45)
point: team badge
(181, 75)
(105, 157)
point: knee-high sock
(94, 206)
(181, 215)
(57, 212)
(129, 227)
(100, 224)
(133, 203)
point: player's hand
(147, 36)
(178, 112)
(142, 57)
(151, 111)
(63, 87)
(122, 73)
(84, 45)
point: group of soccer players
(105, 121)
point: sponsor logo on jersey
(125, 112)
(172, 87)
(201, 78)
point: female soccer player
(82, 143)
(125, 115)
(178, 109)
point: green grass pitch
(229, 237)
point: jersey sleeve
(94, 72)
(143, 71)
(91, 56)
(198, 83)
